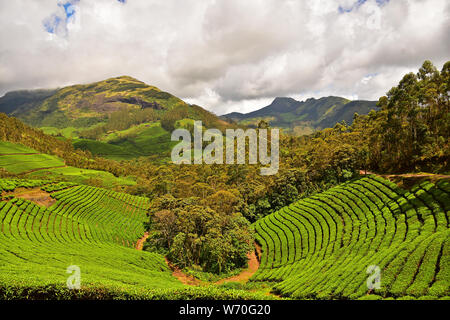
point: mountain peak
(282, 99)
(126, 78)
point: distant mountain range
(303, 117)
(124, 118)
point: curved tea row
(329, 245)
(92, 228)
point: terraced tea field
(322, 246)
(92, 228)
(16, 158)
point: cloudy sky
(225, 55)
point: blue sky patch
(57, 22)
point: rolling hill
(93, 229)
(302, 117)
(84, 105)
(321, 247)
(117, 118)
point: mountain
(302, 117)
(84, 104)
(118, 118)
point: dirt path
(245, 275)
(140, 242)
(180, 275)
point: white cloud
(226, 55)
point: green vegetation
(192, 235)
(83, 176)
(143, 140)
(321, 246)
(7, 148)
(23, 163)
(88, 227)
(316, 244)
(92, 228)
(16, 158)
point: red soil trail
(140, 242)
(180, 275)
(244, 276)
(253, 265)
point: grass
(16, 158)
(8, 148)
(147, 139)
(82, 176)
(23, 163)
(70, 132)
(92, 228)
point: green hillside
(141, 140)
(29, 163)
(302, 117)
(94, 229)
(16, 158)
(118, 118)
(320, 247)
(86, 105)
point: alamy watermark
(258, 149)
(74, 280)
(374, 280)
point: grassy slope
(70, 110)
(93, 229)
(86, 227)
(143, 140)
(82, 176)
(16, 158)
(86, 105)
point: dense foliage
(412, 130)
(192, 233)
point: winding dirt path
(180, 275)
(140, 242)
(253, 265)
(244, 276)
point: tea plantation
(327, 246)
(92, 228)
